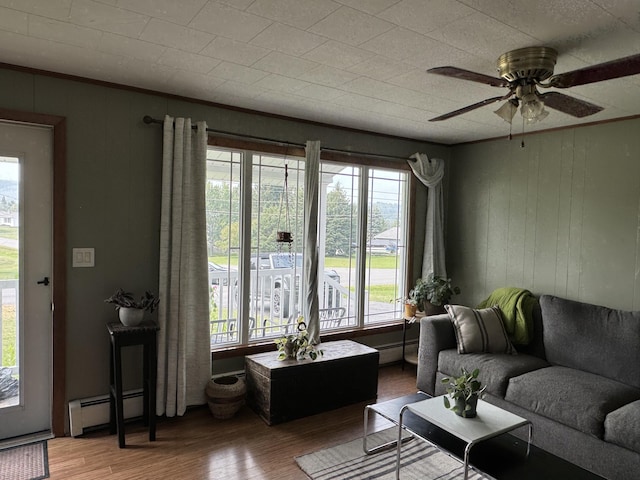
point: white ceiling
(353, 63)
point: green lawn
(9, 232)
(8, 263)
(8, 336)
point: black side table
(123, 336)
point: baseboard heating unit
(88, 413)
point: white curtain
(311, 181)
(430, 172)
(184, 352)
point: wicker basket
(225, 396)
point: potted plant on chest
(130, 311)
(433, 293)
(297, 346)
(464, 391)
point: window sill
(242, 350)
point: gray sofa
(578, 381)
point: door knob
(44, 281)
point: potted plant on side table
(433, 293)
(130, 311)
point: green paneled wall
(559, 216)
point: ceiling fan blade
(469, 108)
(462, 74)
(569, 105)
(623, 67)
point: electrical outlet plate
(83, 257)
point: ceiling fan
(524, 70)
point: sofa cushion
(574, 398)
(495, 369)
(622, 426)
(479, 331)
(592, 338)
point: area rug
(419, 460)
(25, 462)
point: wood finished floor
(197, 446)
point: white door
(26, 158)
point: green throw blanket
(516, 305)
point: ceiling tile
(13, 21)
(238, 73)
(195, 84)
(135, 71)
(236, 89)
(281, 84)
(398, 43)
(297, 13)
(117, 44)
(181, 12)
(58, 9)
(62, 32)
(547, 20)
(231, 23)
(482, 36)
(354, 100)
(369, 6)
(106, 18)
(328, 76)
(381, 68)
(234, 51)
(367, 86)
(338, 55)
(285, 65)
(424, 16)
(239, 4)
(350, 26)
(187, 61)
(319, 92)
(287, 39)
(175, 36)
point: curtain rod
(149, 120)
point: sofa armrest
(436, 334)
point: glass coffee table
(502, 457)
(490, 422)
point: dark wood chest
(279, 391)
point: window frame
(245, 347)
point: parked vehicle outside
(274, 288)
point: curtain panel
(311, 190)
(430, 171)
(184, 351)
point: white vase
(130, 317)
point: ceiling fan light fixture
(507, 111)
(532, 108)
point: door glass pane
(9, 272)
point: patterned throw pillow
(479, 331)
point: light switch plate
(83, 257)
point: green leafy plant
(122, 299)
(462, 389)
(297, 346)
(435, 289)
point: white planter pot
(130, 317)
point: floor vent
(88, 413)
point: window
(362, 244)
